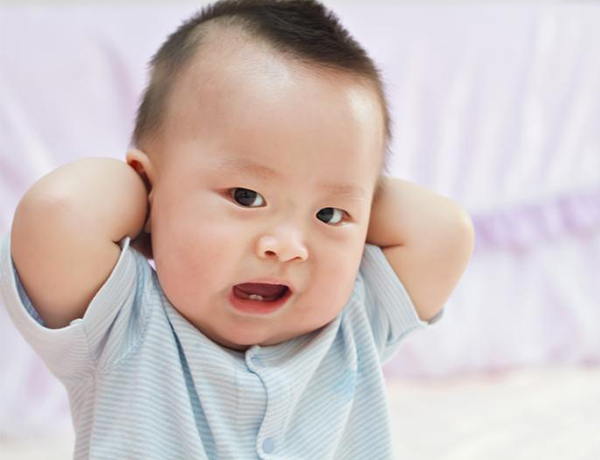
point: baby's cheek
(333, 289)
(179, 266)
(187, 282)
(341, 282)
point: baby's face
(266, 172)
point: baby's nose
(285, 248)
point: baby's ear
(142, 164)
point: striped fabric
(144, 383)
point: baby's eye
(245, 197)
(327, 213)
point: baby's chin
(239, 348)
(242, 345)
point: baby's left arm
(428, 240)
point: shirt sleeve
(110, 327)
(390, 310)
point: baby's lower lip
(257, 306)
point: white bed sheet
(549, 414)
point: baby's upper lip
(283, 282)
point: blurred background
(495, 105)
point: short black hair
(301, 29)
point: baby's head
(263, 136)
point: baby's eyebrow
(247, 166)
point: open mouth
(258, 298)
(260, 292)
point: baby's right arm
(65, 233)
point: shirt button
(268, 445)
(256, 361)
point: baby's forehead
(255, 68)
(223, 52)
(244, 85)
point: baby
(287, 267)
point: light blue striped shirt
(144, 383)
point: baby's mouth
(260, 291)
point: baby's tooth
(256, 297)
